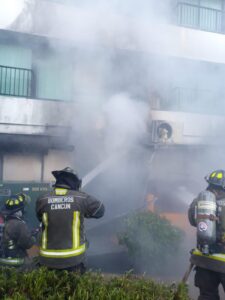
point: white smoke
(184, 195)
(10, 10)
(126, 120)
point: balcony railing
(195, 101)
(199, 17)
(16, 82)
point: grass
(62, 285)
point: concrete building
(41, 76)
(35, 108)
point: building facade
(51, 61)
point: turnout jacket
(16, 240)
(62, 213)
(216, 260)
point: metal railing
(199, 17)
(16, 81)
(195, 101)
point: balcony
(41, 124)
(199, 17)
(24, 120)
(17, 82)
(200, 101)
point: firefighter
(62, 213)
(15, 236)
(207, 214)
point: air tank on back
(206, 210)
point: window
(215, 4)
(54, 77)
(203, 14)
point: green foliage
(151, 240)
(60, 285)
(181, 291)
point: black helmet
(14, 204)
(67, 177)
(216, 178)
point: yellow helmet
(216, 178)
(15, 203)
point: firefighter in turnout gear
(16, 237)
(62, 213)
(207, 214)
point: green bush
(152, 242)
(60, 285)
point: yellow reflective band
(60, 191)
(213, 174)
(63, 253)
(76, 229)
(219, 175)
(10, 202)
(206, 204)
(76, 249)
(12, 261)
(17, 202)
(217, 256)
(44, 233)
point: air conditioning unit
(164, 132)
(180, 128)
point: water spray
(100, 168)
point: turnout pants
(208, 283)
(78, 268)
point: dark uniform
(210, 269)
(16, 237)
(62, 213)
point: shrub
(151, 241)
(60, 285)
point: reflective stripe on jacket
(76, 249)
(214, 262)
(62, 215)
(13, 262)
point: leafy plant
(151, 241)
(42, 284)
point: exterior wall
(53, 77)
(181, 42)
(35, 167)
(15, 56)
(161, 38)
(56, 160)
(195, 44)
(192, 129)
(22, 167)
(28, 116)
